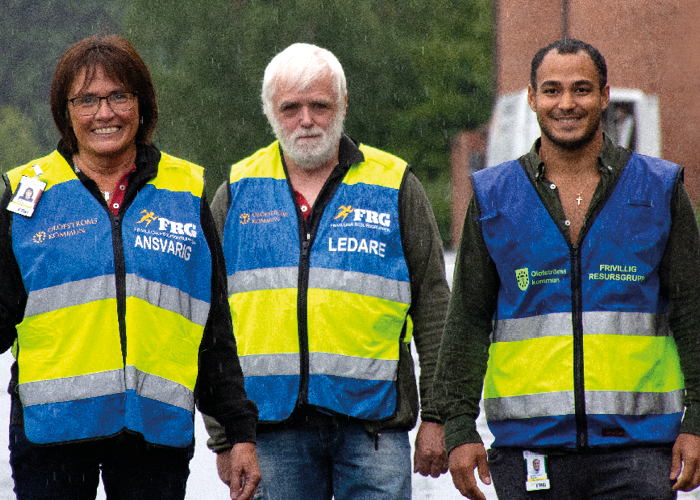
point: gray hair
(298, 66)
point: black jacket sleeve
(220, 392)
(13, 297)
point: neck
(567, 162)
(310, 181)
(105, 170)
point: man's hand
(463, 460)
(686, 451)
(238, 469)
(430, 457)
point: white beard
(310, 154)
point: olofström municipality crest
(523, 277)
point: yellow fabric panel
(72, 341)
(409, 329)
(162, 342)
(339, 323)
(55, 171)
(270, 317)
(179, 175)
(529, 367)
(631, 363)
(264, 163)
(383, 172)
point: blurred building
(649, 45)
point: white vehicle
(631, 120)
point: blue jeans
(131, 469)
(640, 473)
(337, 459)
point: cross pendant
(578, 200)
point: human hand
(430, 457)
(686, 457)
(462, 462)
(238, 469)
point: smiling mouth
(568, 119)
(108, 130)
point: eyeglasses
(89, 105)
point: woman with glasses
(113, 296)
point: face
(107, 133)
(568, 101)
(308, 123)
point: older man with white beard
(334, 263)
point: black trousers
(131, 468)
(639, 473)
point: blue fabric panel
(170, 249)
(633, 237)
(365, 399)
(519, 233)
(159, 423)
(81, 419)
(374, 220)
(68, 221)
(275, 395)
(639, 429)
(262, 221)
(539, 432)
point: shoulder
(498, 177)
(176, 174)
(497, 171)
(378, 167)
(52, 166)
(655, 164)
(656, 170)
(266, 162)
(174, 163)
(382, 158)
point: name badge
(27, 195)
(536, 471)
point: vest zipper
(302, 317)
(577, 320)
(120, 278)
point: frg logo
(177, 227)
(363, 215)
(165, 224)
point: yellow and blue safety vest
(116, 306)
(582, 354)
(318, 316)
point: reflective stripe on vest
(632, 378)
(358, 289)
(74, 381)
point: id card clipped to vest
(536, 464)
(27, 196)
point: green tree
(17, 144)
(33, 35)
(417, 73)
